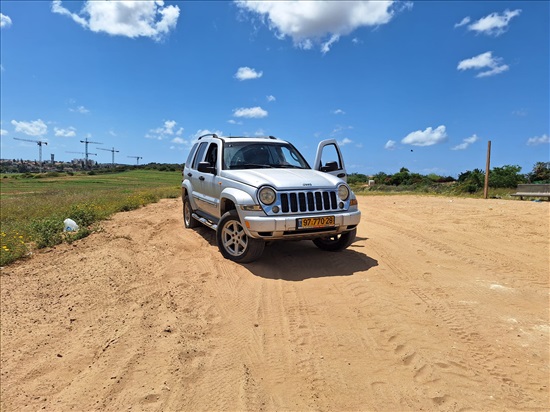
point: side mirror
(204, 167)
(330, 167)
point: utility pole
(39, 143)
(113, 151)
(86, 142)
(137, 158)
(487, 167)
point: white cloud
(33, 128)
(466, 142)
(124, 18)
(309, 22)
(325, 47)
(69, 132)
(167, 129)
(271, 98)
(5, 21)
(178, 140)
(231, 121)
(390, 145)
(339, 129)
(79, 109)
(250, 112)
(535, 141)
(484, 61)
(246, 73)
(338, 111)
(427, 137)
(494, 24)
(344, 141)
(463, 22)
(3, 132)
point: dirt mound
(440, 304)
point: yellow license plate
(315, 222)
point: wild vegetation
(502, 181)
(34, 206)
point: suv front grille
(319, 201)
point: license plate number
(315, 222)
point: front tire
(336, 243)
(188, 220)
(234, 243)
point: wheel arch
(231, 198)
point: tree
(506, 176)
(471, 181)
(540, 173)
(357, 178)
(380, 178)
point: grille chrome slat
(308, 201)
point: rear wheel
(188, 220)
(336, 242)
(234, 243)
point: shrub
(84, 214)
(47, 232)
(13, 247)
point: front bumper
(284, 227)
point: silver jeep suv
(251, 190)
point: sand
(440, 304)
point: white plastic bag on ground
(69, 225)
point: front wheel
(233, 242)
(336, 242)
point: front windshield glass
(257, 155)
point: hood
(283, 179)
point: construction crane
(86, 142)
(137, 158)
(39, 143)
(113, 151)
(86, 154)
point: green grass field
(33, 209)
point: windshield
(245, 155)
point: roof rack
(253, 137)
(214, 135)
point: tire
(233, 242)
(188, 220)
(336, 243)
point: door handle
(341, 175)
(189, 174)
(201, 178)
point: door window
(200, 155)
(330, 154)
(212, 155)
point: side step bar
(205, 221)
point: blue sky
(422, 85)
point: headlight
(267, 195)
(343, 192)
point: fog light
(341, 205)
(275, 209)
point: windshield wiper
(254, 166)
(287, 166)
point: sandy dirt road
(440, 304)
